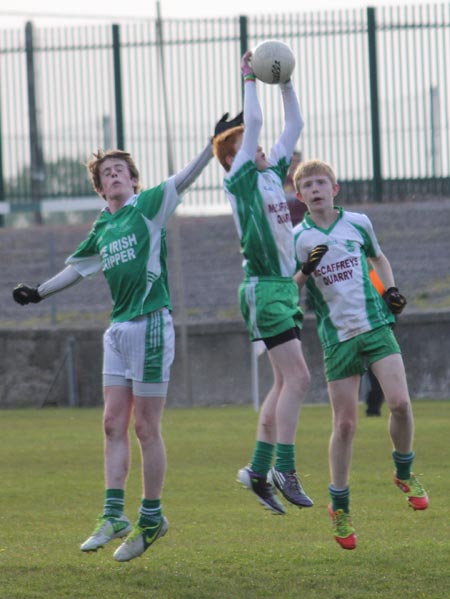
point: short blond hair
(224, 143)
(311, 168)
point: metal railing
(373, 86)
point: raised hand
(246, 67)
(223, 124)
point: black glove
(23, 295)
(314, 258)
(224, 125)
(395, 300)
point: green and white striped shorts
(269, 306)
(139, 354)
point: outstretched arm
(184, 178)
(293, 122)
(253, 118)
(24, 294)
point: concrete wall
(34, 370)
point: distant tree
(67, 177)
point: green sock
(262, 457)
(403, 463)
(150, 512)
(114, 502)
(340, 498)
(285, 457)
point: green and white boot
(107, 529)
(140, 539)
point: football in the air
(273, 61)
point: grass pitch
(221, 543)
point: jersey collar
(127, 203)
(313, 225)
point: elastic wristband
(249, 77)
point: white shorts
(139, 353)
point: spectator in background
(296, 208)
(374, 394)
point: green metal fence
(373, 86)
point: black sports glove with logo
(314, 258)
(23, 295)
(224, 124)
(395, 300)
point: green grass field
(221, 542)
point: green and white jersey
(130, 247)
(344, 299)
(261, 215)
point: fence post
(374, 110)
(2, 181)
(51, 248)
(36, 157)
(243, 36)
(71, 373)
(254, 376)
(176, 228)
(118, 87)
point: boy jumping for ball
(268, 295)
(354, 326)
(128, 243)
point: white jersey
(260, 210)
(262, 218)
(344, 299)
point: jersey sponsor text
(337, 271)
(118, 252)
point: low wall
(35, 366)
